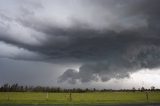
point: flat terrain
(79, 98)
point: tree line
(19, 88)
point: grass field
(79, 98)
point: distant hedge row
(20, 88)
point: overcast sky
(80, 43)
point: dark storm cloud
(116, 66)
(110, 38)
(94, 72)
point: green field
(79, 98)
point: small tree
(142, 89)
(133, 89)
(152, 88)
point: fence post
(8, 96)
(70, 97)
(47, 96)
(147, 97)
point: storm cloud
(108, 38)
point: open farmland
(79, 98)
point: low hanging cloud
(110, 39)
(93, 72)
(135, 58)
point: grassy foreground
(79, 98)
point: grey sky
(78, 42)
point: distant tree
(6, 87)
(152, 88)
(86, 90)
(142, 89)
(133, 89)
(94, 89)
